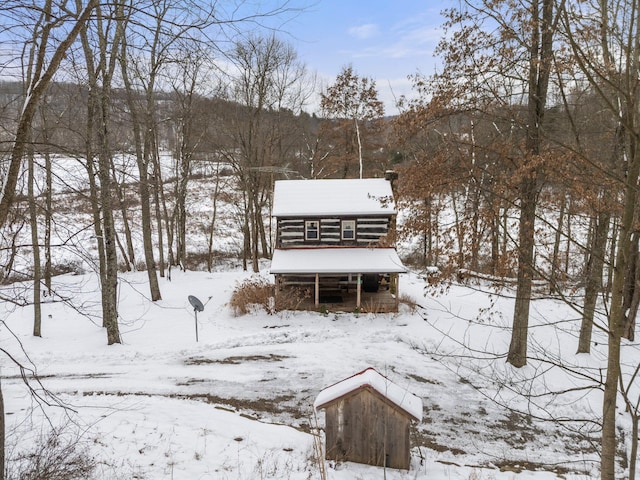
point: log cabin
(334, 243)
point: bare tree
(540, 39)
(353, 100)
(35, 245)
(44, 67)
(270, 84)
(101, 68)
(605, 45)
(190, 128)
(144, 130)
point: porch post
(358, 290)
(397, 290)
(275, 292)
(317, 292)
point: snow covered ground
(237, 404)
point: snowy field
(237, 404)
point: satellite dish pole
(198, 306)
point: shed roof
(336, 260)
(370, 377)
(369, 196)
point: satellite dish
(197, 305)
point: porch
(337, 279)
(290, 297)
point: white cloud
(365, 31)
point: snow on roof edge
(370, 377)
(336, 260)
(329, 197)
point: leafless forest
(518, 161)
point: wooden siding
(369, 230)
(290, 232)
(364, 427)
(330, 231)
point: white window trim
(342, 229)
(307, 223)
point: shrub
(409, 301)
(374, 306)
(71, 266)
(292, 298)
(254, 291)
(59, 455)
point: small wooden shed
(368, 419)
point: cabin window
(311, 230)
(348, 230)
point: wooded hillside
(519, 159)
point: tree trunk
(594, 280)
(631, 290)
(37, 273)
(128, 256)
(2, 434)
(476, 234)
(110, 278)
(541, 50)
(106, 67)
(157, 185)
(147, 233)
(495, 240)
(609, 440)
(616, 318)
(555, 260)
(94, 197)
(123, 253)
(355, 120)
(47, 224)
(169, 222)
(150, 262)
(633, 455)
(93, 106)
(459, 232)
(567, 252)
(48, 196)
(504, 222)
(246, 247)
(214, 213)
(181, 208)
(255, 217)
(517, 355)
(615, 231)
(264, 244)
(142, 160)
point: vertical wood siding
(363, 427)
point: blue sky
(386, 40)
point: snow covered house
(333, 244)
(367, 420)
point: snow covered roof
(336, 260)
(370, 196)
(381, 384)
